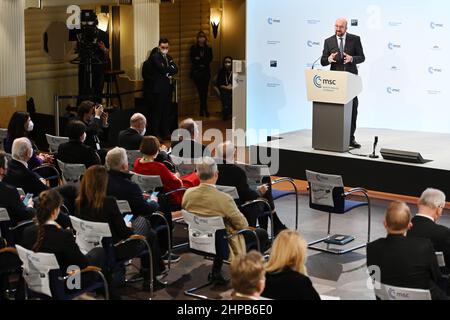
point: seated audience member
(171, 181)
(121, 187)
(19, 176)
(232, 175)
(96, 121)
(131, 138)
(405, 262)
(48, 237)
(225, 85)
(10, 198)
(9, 261)
(206, 200)
(286, 277)
(247, 276)
(20, 125)
(424, 224)
(189, 146)
(94, 205)
(75, 151)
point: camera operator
(93, 58)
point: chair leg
(329, 224)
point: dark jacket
(189, 149)
(121, 187)
(353, 47)
(406, 262)
(156, 71)
(96, 133)
(439, 235)
(10, 200)
(130, 139)
(289, 285)
(78, 153)
(201, 58)
(233, 176)
(59, 242)
(224, 78)
(110, 214)
(34, 161)
(21, 177)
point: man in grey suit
(344, 51)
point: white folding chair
(147, 183)
(71, 172)
(133, 155)
(54, 142)
(184, 166)
(386, 292)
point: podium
(332, 94)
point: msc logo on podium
(319, 82)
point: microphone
(312, 68)
(373, 155)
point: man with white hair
(131, 138)
(189, 146)
(344, 52)
(206, 200)
(431, 205)
(121, 187)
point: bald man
(344, 52)
(404, 262)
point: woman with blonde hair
(286, 275)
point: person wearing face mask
(20, 125)
(158, 72)
(201, 57)
(225, 84)
(75, 151)
(96, 121)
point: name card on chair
(202, 231)
(147, 183)
(4, 216)
(321, 187)
(36, 267)
(89, 234)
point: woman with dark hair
(94, 205)
(225, 85)
(20, 125)
(47, 236)
(201, 58)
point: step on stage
(297, 155)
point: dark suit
(10, 200)
(20, 176)
(130, 139)
(158, 90)
(289, 285)
(201, 58)
(439, 235)
(78, 153)
(189, 149)
(406, 262)
(354, 48)
(59, 242)
(96, 133)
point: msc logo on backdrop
(434, 25)
(271, 20)
(391, 90)
(312, 43)
(433, 70)
(319, 82)
(393, 46)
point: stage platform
(297, 155)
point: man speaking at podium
(344, 51)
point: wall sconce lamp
(216, 16)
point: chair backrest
(326, 191)
(255, 173)
(8, 157)
(55, 141)
(184, 166)
(71, 172)
(21, 192)
(89, 235)
(386, 292)
(231, 191)
(440, 259)
(147, 183)
(132, 156)
(36, 268)
(3, 134)
(123, 206)
(206, 234)
(4, 222)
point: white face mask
(143, 132)
(30, 126)
(165, 51)
(83, 138)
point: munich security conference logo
(317, 81)
(434, 25)
(311, 43)
(433, 70)
(393, 46)
(271, 20)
